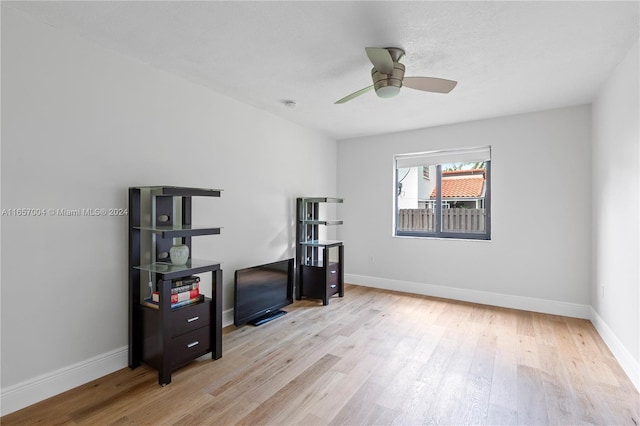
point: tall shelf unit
(166, 338)
(320, 263)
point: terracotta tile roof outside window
(457, 186)
(479, 172)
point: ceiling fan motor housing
(388, 85)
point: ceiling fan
(388, 76)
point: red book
(179, 297)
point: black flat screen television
(261, 291)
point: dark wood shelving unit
(319, 272)
(167, 338)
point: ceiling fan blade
(354, 95)
(381, 59)
(429, 84)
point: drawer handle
(332, 286)
(192, 344)
(193, 319)
(332, 272)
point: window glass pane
(463, 197)
(415, 202)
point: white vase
(179, 254)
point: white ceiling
(508, 57)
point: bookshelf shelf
(320, 271)
(170, 333)
(170, 271)
(321, 243)
(178, 231)
(322, 222)
(181, 191)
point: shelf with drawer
(162, 335)
(320, 271)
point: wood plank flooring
(374, 357)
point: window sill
(414, 237)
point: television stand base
(267, 317)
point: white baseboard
(628, 363)
(227, 317)
(31, 391)
(21, 395)
(476, 296)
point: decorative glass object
(179, 254)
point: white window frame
(437, 158)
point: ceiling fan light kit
(388, 85)
(388, 76)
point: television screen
(261, 291)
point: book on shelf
(183, 288)
(180, 282)
(183, 284)
(197, 299)
(149, 302)
(178, 297)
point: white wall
(80, 124)
(615, 293)
(539, 255)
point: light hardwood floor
(373, 357)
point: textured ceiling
(508, 57)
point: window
(425, 172)
(456, 203)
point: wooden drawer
(190, 318)
(332, 287)
(313, 281)
(190, 346)
(333, 279)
